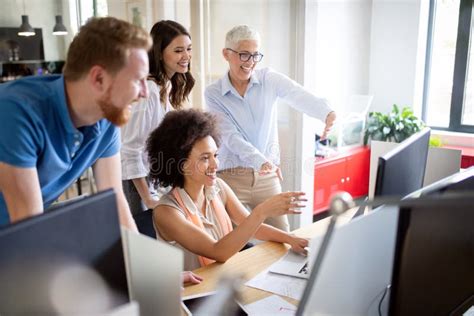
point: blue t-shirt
(36, 131)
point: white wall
(117, 9)
(394, 52)
(341, 52)
(337, 50)
(272, 18)
(369, 47)
(41, 14)
(153, 11)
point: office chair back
(144, 221)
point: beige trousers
(252, 189)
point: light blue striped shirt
(248, 124)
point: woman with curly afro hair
(197, 214)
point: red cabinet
(346, 171)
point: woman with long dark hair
(169, 84)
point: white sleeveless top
(210, 222)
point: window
(448, 101)
(90, 8)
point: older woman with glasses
(244, 102)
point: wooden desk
(252, 261)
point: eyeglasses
(245, 56)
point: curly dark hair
(163, 33)
(169, 145)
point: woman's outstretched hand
(282, 204)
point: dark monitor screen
(402, 170)
(14, 47)
(433, 270)
(64, 258)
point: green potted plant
(395, 126)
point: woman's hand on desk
(189, 277)
(298, 245)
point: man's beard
(113, 114)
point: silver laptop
(153, 274)
(292, 264)
(296, 265)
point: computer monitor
(402, 170)
(154, 273)
(68, 259)
(356, 267)
(433, 270)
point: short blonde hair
(240, 33)
(105, 42)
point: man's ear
(98, 78)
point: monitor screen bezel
(84, 232)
